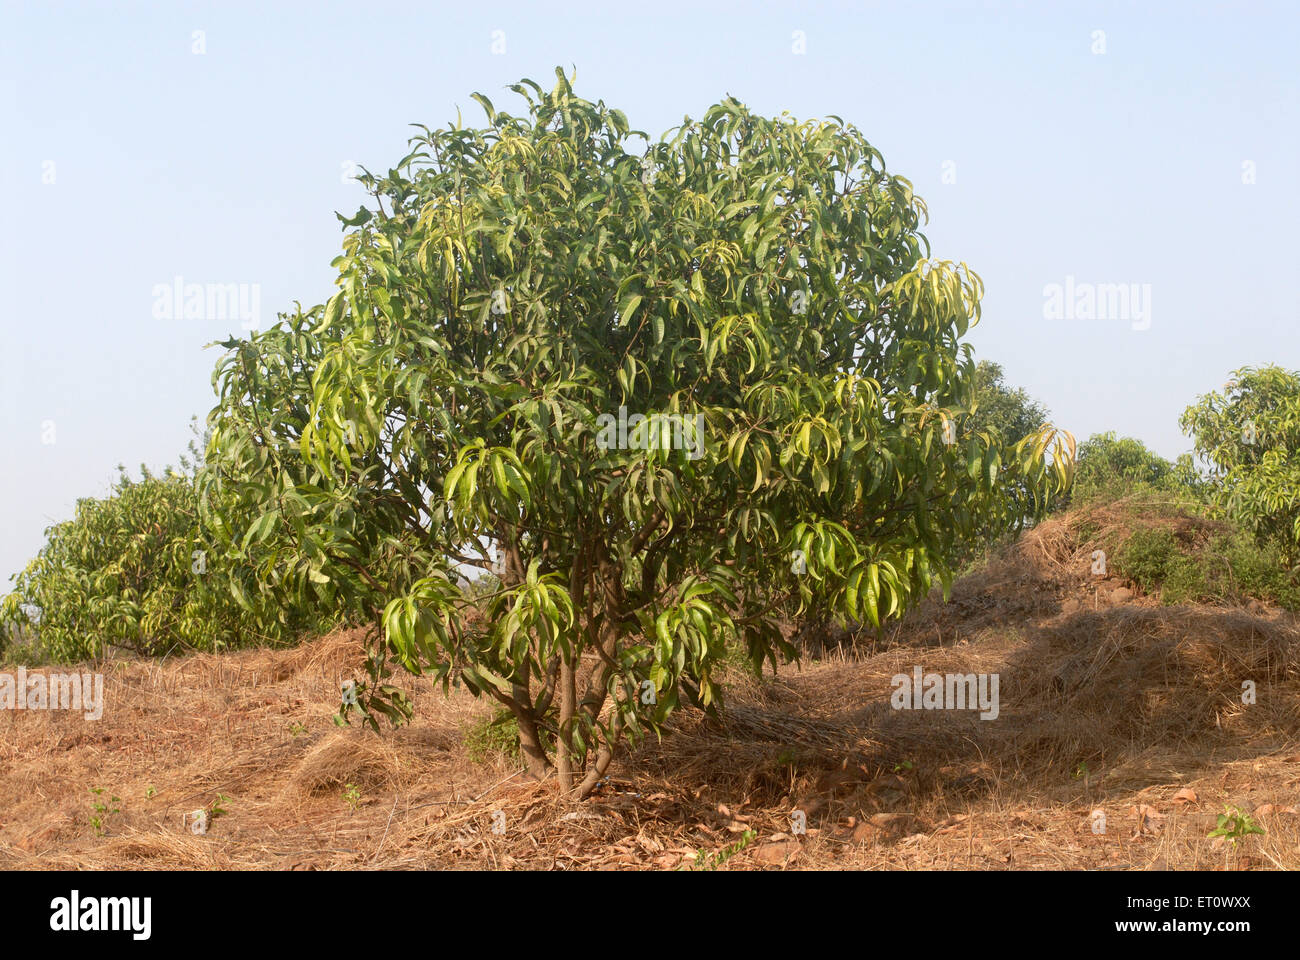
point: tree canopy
(670, 394)
(1250, 436)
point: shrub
(494, 736)
(1205, 566)
(1145, 556)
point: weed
(1233, 825)
(101, 810)
(705, 861)
(491, 737)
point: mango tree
(672, 395)
(1250, 436)
(137, 571)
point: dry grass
(1107, 702)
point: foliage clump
(1110, 468)
(1178, 551)
(134, 571)
(1250, 436)
(491, 737)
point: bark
(568, 712)
(530, 745)
(604, 755)
(536, 762)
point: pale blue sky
(1122, 167)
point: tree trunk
(603, 756)
(530, 745)
(568, 711)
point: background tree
(1006, 414)
(1250, 437)
(135, 571)
(1002, 411)
(1110, 467)
(516, 285)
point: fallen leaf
(1185, 795)
(1149, 819)
(778, 854)
(953, 823)
(890, 821)
(1264, 809)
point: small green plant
(352, 796)
(492, 737)
(1233, 825)
(738, 658)
(150, 793)
(1081, 770)
(296, 728)
(1146, 556)
(1186, 581)
(218, 807)
(706, 861)
(902, 765)
(101, 810)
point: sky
(1122, 176)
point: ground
(1110, 705)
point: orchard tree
(1109, 467)
(1250, 436)
(135, 570)
(670, 394)
(1002, 411)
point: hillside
(1110, 700)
